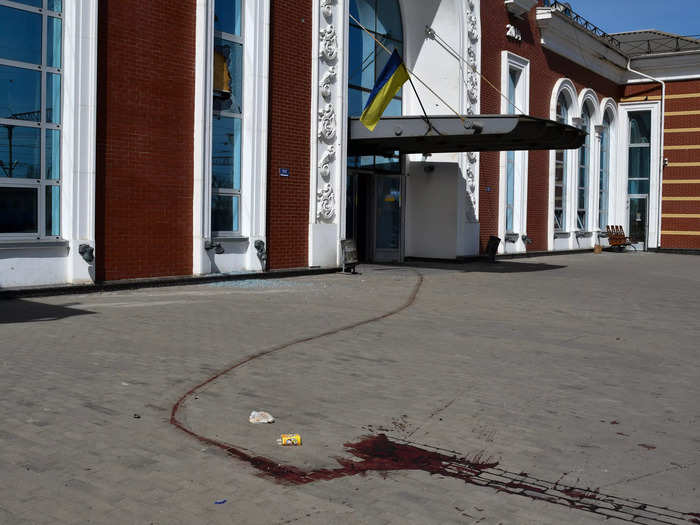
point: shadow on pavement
(486, 267)
(21, 311)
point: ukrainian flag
(388, 84)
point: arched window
(604, 172)
(382, 18)
(584, 161)
(560, 172)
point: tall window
(367, 59)
(584, 157)
(227, 119)
(639, 152)
(560, 159)
(604, 173)
(513, 79)
(31, 33)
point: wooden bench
(617, 238)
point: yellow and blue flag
(388, 84)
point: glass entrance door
(388, 239)
(638, 220)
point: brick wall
(681, 201)
(145, 123)
(545, 69)
(289, 133)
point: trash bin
(492, 247)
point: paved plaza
(562, 390)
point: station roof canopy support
(449, 134)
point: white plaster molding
(522, 102)
(563, 36)
(666, 67)
(327, 83)
(79, 134)
(520, 8)
(329, 44)
(566, 86)
(471, 103)
(328, 129)
(253, 204)
(588, 96)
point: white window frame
(42, 183)
(566, 86)
(607, 107)
(654, 196)
(511, 61)
(588, 98)
(255, 34)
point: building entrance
(638, 220)
(374, 216)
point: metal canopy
(452, 134)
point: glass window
(366, 61)
(228, 76)
(20, 35)
(53, 154)
(53, 42)
(20, 152)
(30, 104)
(53, 210)
(639, 154)
(227, 118)
(583, 173)
(513, 79)
(227, 16)
(54, 5)
(53, 98)
(226, 153)
(604, 173)
(18, 210)
(20, 93)
(560, 173)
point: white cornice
(669, 66)
(561, 35)
(520, 8)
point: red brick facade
(289, 133)
(146, 54)
(546, 68)
(680, 210)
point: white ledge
(21, 244)
(565, 37)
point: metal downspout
(661, 147)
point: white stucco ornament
(471, 156)
(326, 203)
(473, 87)
(324, 165)
(326, 81)
(473, 27)
(329, 44)
(327, 8)
(471, 59)
(326, 123)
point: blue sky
(613, 16)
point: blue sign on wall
(284, 172)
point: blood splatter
(648, 447)
(377, 454)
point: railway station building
(148, 139)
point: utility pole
(11, 164)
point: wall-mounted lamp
(216, 246)
(87, 252)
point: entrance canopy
(452, 134)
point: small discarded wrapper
(261, 417)
(289, 440)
